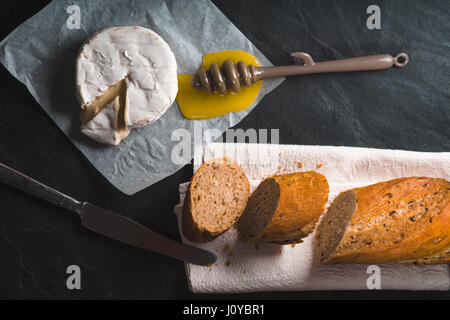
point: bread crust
(303, 196)
(404, 220)
(190, 225)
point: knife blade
(125, 230)
(108, 223)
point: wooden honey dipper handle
(231, 77)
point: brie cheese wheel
(126, 77)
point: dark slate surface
(399, 108)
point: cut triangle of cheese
(104, 120)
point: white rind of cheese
(135, 53)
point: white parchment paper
(41, 53)
(243, 267)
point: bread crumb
(299, 164)
(293, 245)
(227, 247)
(278, 171)
(209, 265)
(228, 263)
(319, 166)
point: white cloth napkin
(243, 267)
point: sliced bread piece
(405, 220)
(215, 200)
(284, 208)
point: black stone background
(399, 108)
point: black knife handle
(24, 183)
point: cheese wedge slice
(126, 78)
(90, 111)
(104, 119)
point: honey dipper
(232, 76)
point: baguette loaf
(284, 208)
(215, 200)
(405, 220)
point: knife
(108, 223)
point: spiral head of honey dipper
(231, 75)
(201, 81)
(227, 77)
(218, 79)
(244, 74)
